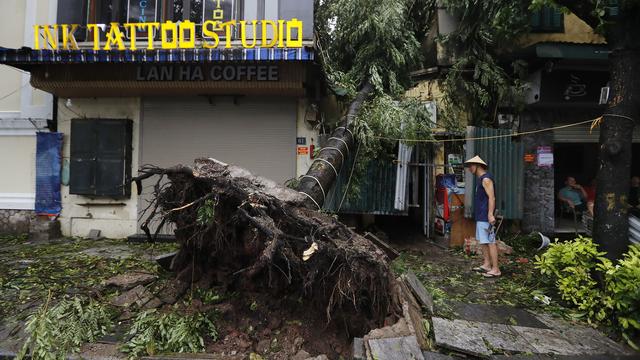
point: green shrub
(574, 267)
(154, 333)
(54, 332)
(571, 266)
(623, 286)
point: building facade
(568, 74)
(163, 82)
(24, 110)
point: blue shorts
(484, 233)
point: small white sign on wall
(544, 156)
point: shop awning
(26, 57)
(569, 51)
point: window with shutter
(547, 19)
(100, 157)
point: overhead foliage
(477, 82)
(376, 42)
(372, 40)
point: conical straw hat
(475, 160)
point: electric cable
(486, 137)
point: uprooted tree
(251, 233)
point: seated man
(573, 195)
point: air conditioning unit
(604, 95)
(433, 112)
(532, 93)
(505, 119)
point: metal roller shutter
(582, 134)
(256, 133)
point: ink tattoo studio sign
(211, 73)
(181, 35)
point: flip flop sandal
(488, 276)
(479, 269)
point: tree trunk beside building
(538, 206)
(621, 26)
(611, 224)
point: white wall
(17, 183)
(80, 214)
(12, 20)
(23, 109)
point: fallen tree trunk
(324, 171)
(255, 234)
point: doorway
(579, 160)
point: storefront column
(538, 209)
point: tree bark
(611, 223)
(321, 175)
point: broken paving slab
(429, 355)
(172, 291)
(482, 339)
(399, 348)
(589, 340)
(460, 336)
(139, 295)
(497, 314)
(110, 252)
(130, 280)
(565, 357)
(165, 260)
(547, 341)
(478, 338)
(419, 291)
(399, 329)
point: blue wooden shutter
(547, 19)
(101, 157)
(113, 161)
(83, 155)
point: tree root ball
(251, 233)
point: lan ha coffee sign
(217, 30)
(208, 73)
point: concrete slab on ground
(110, 252)
(130, 280)
(428, 355)
(587, 339)
(460, 335)
(565, 357)
(497, 314)
(483, 339)
(399, 348)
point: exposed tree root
(248, 232)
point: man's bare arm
(487, 184)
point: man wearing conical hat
(484, 208)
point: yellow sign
(181, 35)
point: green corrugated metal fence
(377, 190)
(505, 157)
